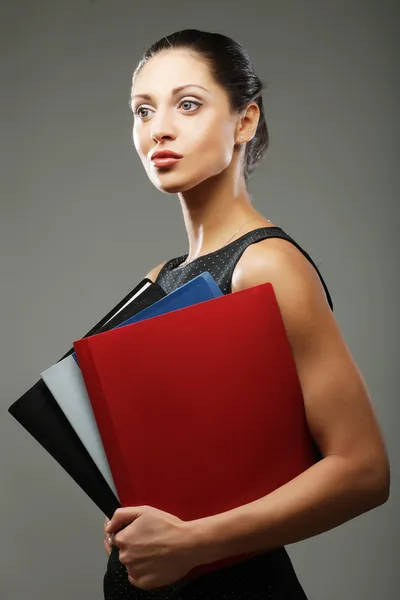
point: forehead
(170, 69)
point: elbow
(377, 478)
(383, 485)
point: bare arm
(354, 475)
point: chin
(175, 185)
(177, 181)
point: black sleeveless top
(268, 576)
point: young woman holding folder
(200, 131)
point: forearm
(329, 493)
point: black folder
(38, 412)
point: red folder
(200, 410)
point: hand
(108, 539)
(156, 547)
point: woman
(199, 129)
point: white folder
(65, 382)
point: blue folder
(200, 289)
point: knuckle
(145, 584)
(118, 538)
(140, 581)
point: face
(178, 106)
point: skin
(354, 475)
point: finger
(107, 547)
(121, 517)
(118, 539)
(106, 522)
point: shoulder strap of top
(170, 264)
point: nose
(160, 135)
(162, 128)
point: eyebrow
(174, 91)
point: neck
(212, 211)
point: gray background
(81, 225)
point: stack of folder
(189, 402)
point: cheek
(142, 139)
(214, 147)
(137, 140)
(142, 146)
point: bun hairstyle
(233, 69)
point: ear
(247, 124)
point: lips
(164, 158)
(164, 154)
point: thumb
(123, 516)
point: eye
(194, 102)
(138, 112)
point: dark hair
(233, 69)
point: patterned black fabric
(269, 576)
(221, 263)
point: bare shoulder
(153, 274)
(296, 283)
(271, 253)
